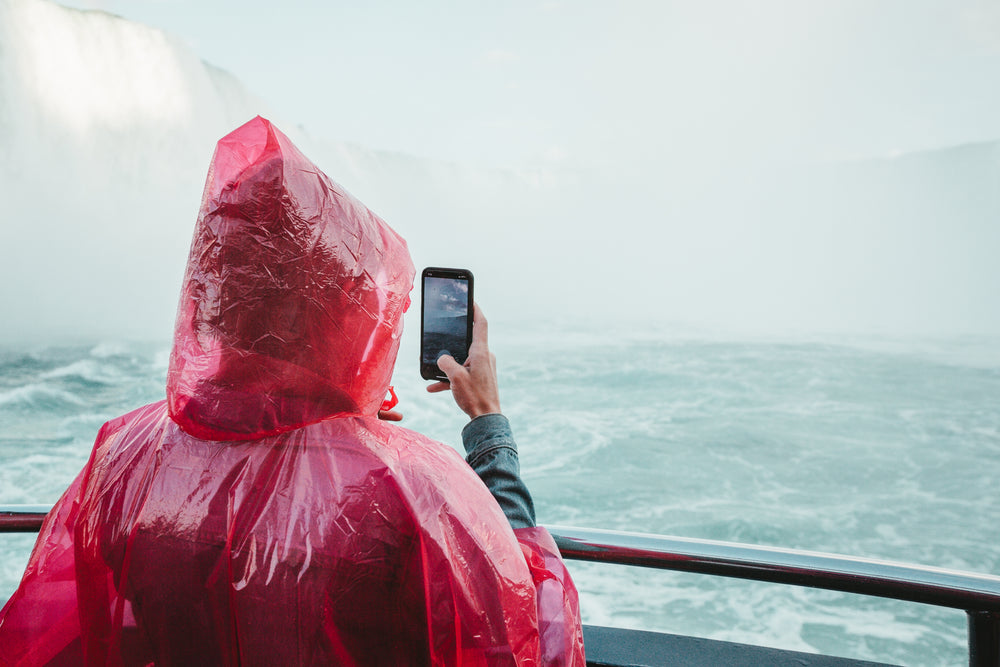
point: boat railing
(976, 594)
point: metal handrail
(22, 518)
(915, 583)
(977, 594)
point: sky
(658, 85)
(753, 165)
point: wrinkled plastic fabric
(291, 309)
(263, 514)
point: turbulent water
(881, 449)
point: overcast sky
(597, 83)
(686, 117)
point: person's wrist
(477, 415)
(485, 409)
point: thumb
(448, 365)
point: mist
(682, 215)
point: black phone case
(430, 371)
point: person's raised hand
(474, 384)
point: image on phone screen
(446, 318)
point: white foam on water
(109, 349)
(35, 393)
(85, 369)
(586, 430)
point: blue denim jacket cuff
(485, 429)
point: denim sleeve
(492, 453)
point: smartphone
(445, 318)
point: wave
(86, 370)
(110, 349)
(41, 396)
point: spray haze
(705, 170)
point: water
(876, 448)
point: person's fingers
(472, 384)
(390, 415)
(448, 365)
(438, 386)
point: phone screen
(446, 318)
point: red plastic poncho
(262, 514)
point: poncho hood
(292, 302)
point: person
(268, 512)
(492, 452)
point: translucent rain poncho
(262, 514)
